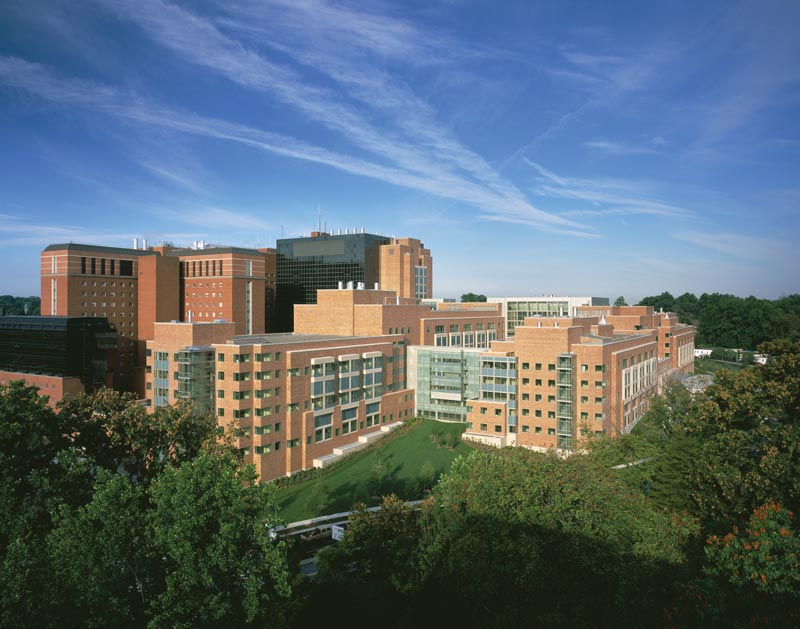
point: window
(498, 429)
(584, 399)
(526, 428)
(551, 431)
(526, 381)
(551, 398)
(526, 412)
(599, 368)
(526, 397)
(498, 411)
(551, 367)
(584, 367)
(526, 366)
(484, 427)
(537, 397)
(584, 384)
(538, 382)
(538, 413)
(551, 414)
(598, 400)
(221, 358)
(483, 410)
(551, 383)
(220, 394)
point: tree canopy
(472, 297)
(112, 515)
(733, 322)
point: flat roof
(49, 322)
(210, 251)
(287, 338)
(74, 246)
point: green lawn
(395, 466)
(708, 366)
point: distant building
(62, 356)
(135, 288)
(517, 309)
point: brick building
(135, 288)
(303, 399)
(560, 379)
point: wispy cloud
(617, 148)
(321, 36)
(217, 218)
(19, 231)
(608, 196)
(494, 195)
(758, 42)
(738, 245)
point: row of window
(105, 284)
(245, 358)
(95, 266)
(454, 327)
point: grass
(407, 466)
(708, 366)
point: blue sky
(603, 148)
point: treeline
(10, 305)
(731, 321)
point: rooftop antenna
(319, 219)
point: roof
(210, 251)
(20, 322)
(74, 246)
(288, 338)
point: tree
(106, 568)
(211, 521)
(665, 301)
(119, 434)
(502, 530)
(620, 301)
(472, 297)
(110, 515)
(755, 569)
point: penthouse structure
(135, 288)
(323, 260)
(62, 356)
(516, 309)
